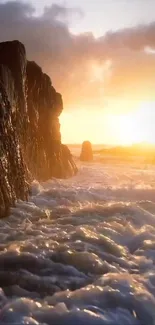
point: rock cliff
(30, 139)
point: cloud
(61, 13)
(85, 69)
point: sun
(129, 130)
(137, 126)
(110, 125)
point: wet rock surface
(30, 139)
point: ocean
(81, 251)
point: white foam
(82, 250)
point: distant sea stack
(30, 139)
(86, 151)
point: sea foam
(82, 250)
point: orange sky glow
(135, 126)
(111, 118)
(100, 55)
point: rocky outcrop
(30, 139)
(86, 151)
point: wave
(82, 250)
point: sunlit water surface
(82, 250)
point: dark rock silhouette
(69, 166)
(86, 151)
(30, 139)
(44, 108)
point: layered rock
(30, 139)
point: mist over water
(82, 250)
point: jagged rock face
(44, 124)
(30, 139)
(44, 107)
(13, 56)
(13, 182)
(86, 152)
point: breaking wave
(82, 250)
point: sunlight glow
(100, 72)
(110, 125)
(137, 126)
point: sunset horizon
(77, 162)
(102, 62)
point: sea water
(82, 250)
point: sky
(100, 16)
(100, 54)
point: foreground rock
(30, 139)
(86, 152)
